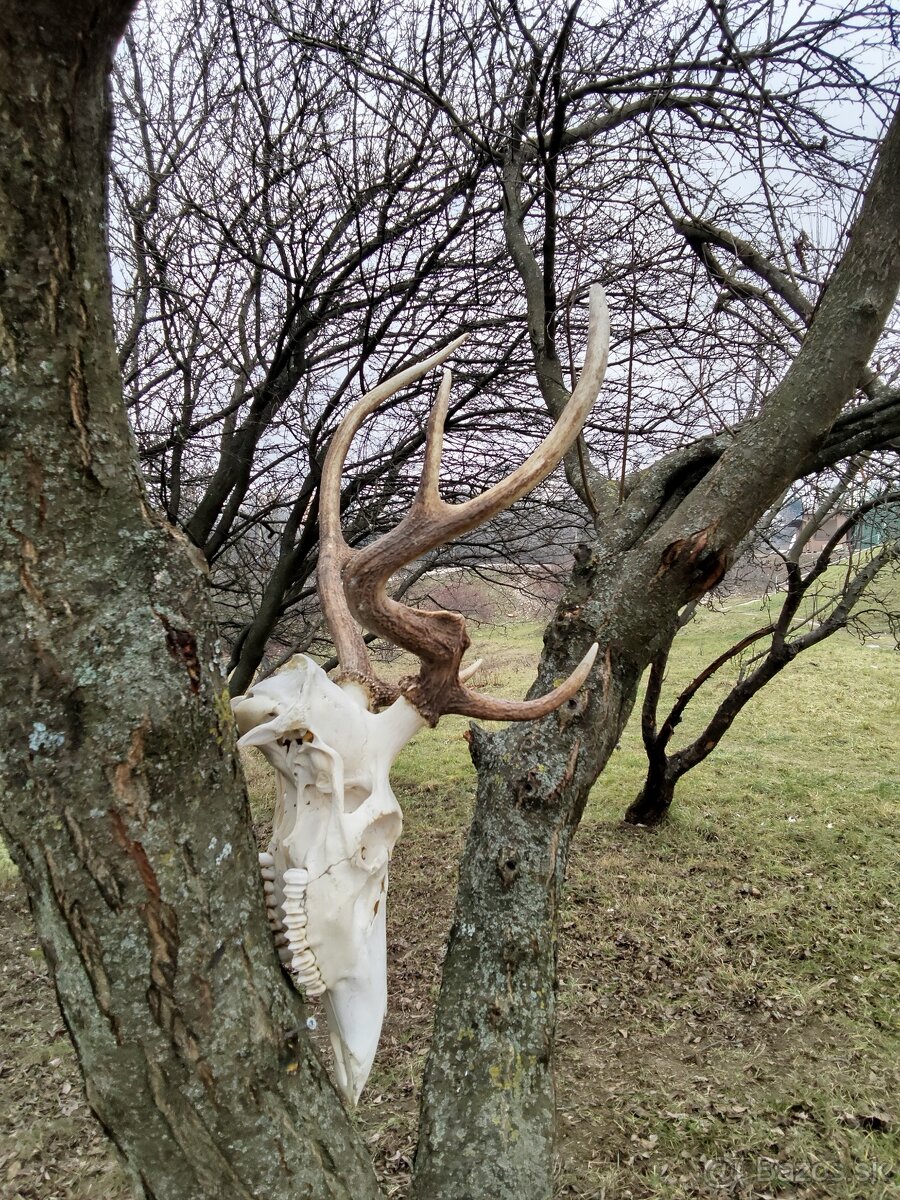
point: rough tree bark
(122, 803)
(488, 1099)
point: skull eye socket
(380, 838)
(353, 798)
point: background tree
(122, 811)
(815, 604)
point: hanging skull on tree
(332, 743)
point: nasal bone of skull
(355, 1008)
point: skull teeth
(267, 870)
(303, 963)
(313, 987)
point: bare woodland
(302, 201)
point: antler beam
(334, 553)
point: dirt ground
(684, 1068)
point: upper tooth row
(303, 960)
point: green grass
(727, 982)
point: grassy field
(727, 982)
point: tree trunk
(487, 1125)
(488, 1108)
(651, 805)
(121, 800)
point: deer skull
(337, 819)
(336, 822)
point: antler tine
(554, 447)
(333, 550)
(489, 708)
(428, 496)
(470, 670)
(440, 523)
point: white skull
(336, 822)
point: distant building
(819, 539)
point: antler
(352, 583)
